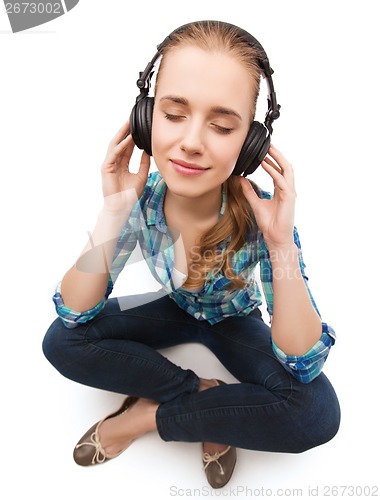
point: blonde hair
(238, 219)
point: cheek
(161, 138)
(156, 135)
(228, 150)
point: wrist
(119, 204)
(114, 216)
(110, 223)
(280, 246)
(284, 253)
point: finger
(119, 156)
(125, 147)
(272, 164)
(144, 165)
(249, 192)
(277, 155)
(285, 165)
(121, 133)
(278, 178)
(125, 152)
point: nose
(192, 141)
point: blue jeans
(269, 410)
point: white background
(66, 87)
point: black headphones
(257, 142)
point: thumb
(144, 165)
(249, 192)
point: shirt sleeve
(71, 318)
(125, 245)
(307, 367)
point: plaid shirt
(214, 302)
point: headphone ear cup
(141, 124)
(254, 149)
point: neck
(199, 209)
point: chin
(186, 188)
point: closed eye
(222, 130)
(218, 128)
(173, 118)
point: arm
(84, 285)
(306, 366)
(300, 340)
(296, 326)
(95, 259)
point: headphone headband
(247, 37)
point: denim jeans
(268, 410)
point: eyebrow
(220, 110)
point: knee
(328, 423)
(323, 413)
(54, 344)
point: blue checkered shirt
(214, 302)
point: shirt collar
(155, 212)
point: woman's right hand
(121, 188)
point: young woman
(202, 230)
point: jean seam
(161, 421)
(219, 408)
(137, 358)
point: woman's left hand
(275, 217)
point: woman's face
(201, 116)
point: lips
(188, 165)
(185, 168)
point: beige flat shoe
(89, 450)
(220, 466)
